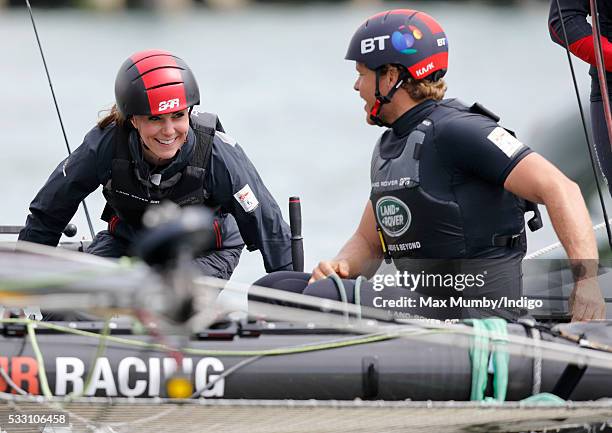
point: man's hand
(323, 269)
(586, 301)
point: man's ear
(390, 77)
(393, 75)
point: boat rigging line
(601, 68)
(547, 249)
(59, 116)
(596, 36)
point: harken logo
(170, 103)
(404, 38)
(393, 216)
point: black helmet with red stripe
(155, 82)
(403, 37)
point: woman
(449, 188)
(152, 147)
(580, 40)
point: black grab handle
(297, 245)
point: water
(277, 78)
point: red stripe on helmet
(429, 65)
(166, 74)
(148, 53)
(148, 66)
(163, 83)
(432, 24)
(162, 80)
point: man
(449, 189)
(580, 43)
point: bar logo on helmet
(167, 105)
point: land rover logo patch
(393, 216)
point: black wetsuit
(257, 222)
(580, 40)
(457, 218)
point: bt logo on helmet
(368, 45)
(403, 40)
(170, 103)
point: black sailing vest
(128, 194)
(412, 223)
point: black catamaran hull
(393, 369)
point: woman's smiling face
(162, 135)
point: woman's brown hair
(113, 116)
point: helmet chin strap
(382, 100)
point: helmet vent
(149, 57)
(164, 85)
(155, 69)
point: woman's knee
(284, 280)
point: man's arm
(579, 31)
(537, 180)
(361, 255)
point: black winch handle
(297, 245)
(69, 231)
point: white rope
(543, 251)
(537, 364)
(556, 245)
